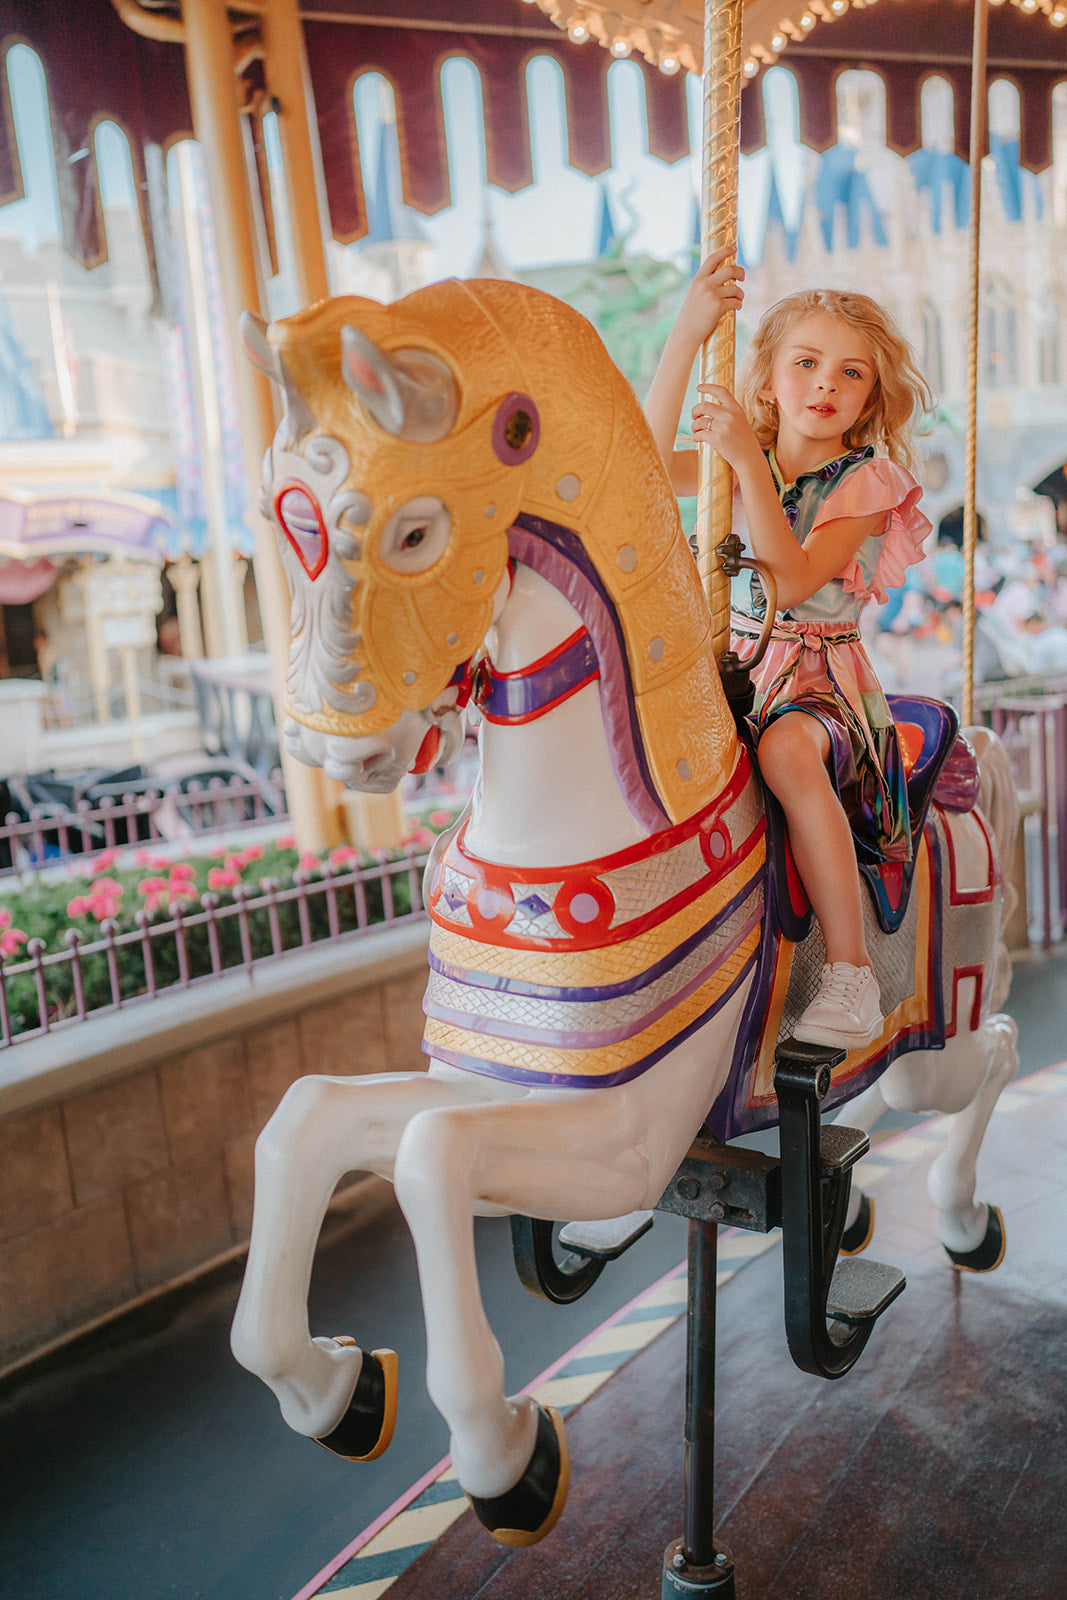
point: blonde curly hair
(900, 396)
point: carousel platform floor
(938, 1467)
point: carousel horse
(470, 509)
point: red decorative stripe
(494, 887)
(971, 897)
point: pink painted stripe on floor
(376, 1526)
(412, 1494)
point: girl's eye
(805, 361)
(850, 372)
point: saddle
(939, 766)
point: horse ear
(266, 359)
(410, 393)
(253, 331)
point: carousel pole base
(679, 1578)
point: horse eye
(414, 538)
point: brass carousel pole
(970, 520)
(696, 1564)
(718, 228)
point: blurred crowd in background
(1020, 618)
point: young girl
(819, 441)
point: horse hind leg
(862, 1112)
(970, 1231)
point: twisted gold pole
(718, 227)
(970, 520)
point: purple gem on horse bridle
(516, 429)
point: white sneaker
(846, 1012)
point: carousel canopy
(98, 67)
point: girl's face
(821, 379)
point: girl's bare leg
(793, 754)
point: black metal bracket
(816, 1180)
(561, 1280)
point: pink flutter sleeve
(880, 485)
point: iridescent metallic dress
(816, 661)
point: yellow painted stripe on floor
(418, 1525)
(1034, 1082)
(745, 1246)
(626, 1336)
(570, 1391)
(671, 1293)
(868, 1172)
(363, 1591)
(1011, 1100)
(907, 1147)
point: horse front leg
(578, 1155)
(323, 1128)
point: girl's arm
(714, 290)
(799, 569)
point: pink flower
(250, 853)
(222, 878)
(441, 819)
(309, 862)
(183, 869)
(218, 850)
(286, 842)
(104, 897)
(154, 891)
(5, 919)
(10, 940)
(104, 862)
(181, 889)
(343, 854)
(80, 906)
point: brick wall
(110, 1192)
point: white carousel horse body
(457, 1143)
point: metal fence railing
(47, 835)
(1033, 728)
(182, 948)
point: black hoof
(857, 1236)
(364, 1432)
(987, 1255)
(525, 1513)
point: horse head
(424, 444)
